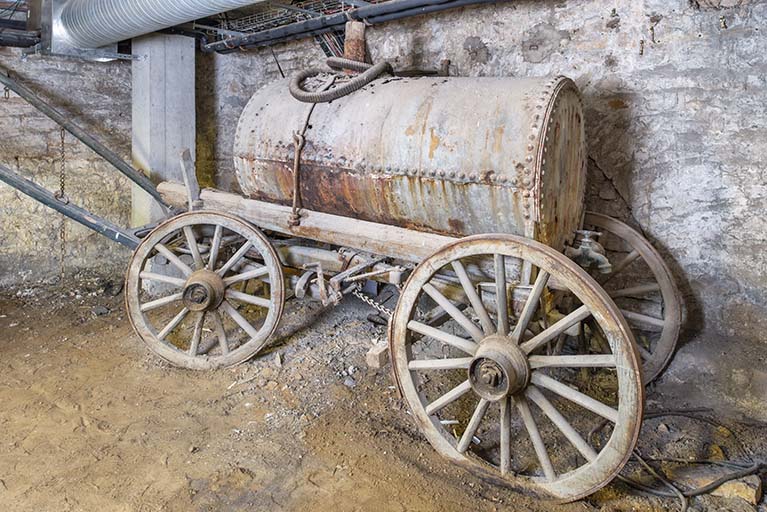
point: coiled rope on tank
(368, 73)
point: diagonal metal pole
(107, 154)
(77, 214)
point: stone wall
(97, 96)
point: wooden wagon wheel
(471, 382)
(205, 290)
(632, 286)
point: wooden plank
(392, 241)
(354, 41)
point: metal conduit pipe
(96, 23)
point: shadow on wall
(610, 189)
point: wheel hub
(499, 368)
(204, 291)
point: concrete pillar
(163, 113)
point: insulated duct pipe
(96, 23)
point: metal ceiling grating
(272, 14)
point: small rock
(278, 360)
(271, 385)
(349, 382)
(193, 449)
(260, 382)
(298, 376)
(111, 288)
(267, 373)
(100, 311)
(663, 429)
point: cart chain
(357, 292)
(62, 196)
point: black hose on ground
(368, 73)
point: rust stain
(617, 104)
(433, 144)
(498, 139)
(421, 117)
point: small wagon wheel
(631, 286)
(205, 290)
(481, 386)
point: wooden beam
(392, 241)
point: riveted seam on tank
(556, 86)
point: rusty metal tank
(456, 156)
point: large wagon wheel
(470, 382)
(205, 290)
(644, 289)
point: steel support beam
(107, 154)
(77, 214)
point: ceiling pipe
(97, 23)
(371, 14)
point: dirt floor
(90, 421)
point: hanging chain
(299, 141)
(6, 93)
(62, 196)
(371, 302)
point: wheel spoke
(471, 293)
(500, 294)
(575, 396)
(535, 436)
(461, 344)
(168, 254)
(151, 276)
(639, 318)
(640, 289)
(172, 324)
(250, 299)
(583, 361)
(530, 306)
(474, 331)
(459, 363)
(195, 344)
(235, 258)
(448, 398)
(246, 276)
(195, 250)
(221, 333)
(239, 319)
(215, 247)
(620, 266)
(559, 327)
(505, 435)
(561, 423)
(473, 425)
(149, 306)
(643, 352)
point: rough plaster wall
(677, 140)
(97, 96)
